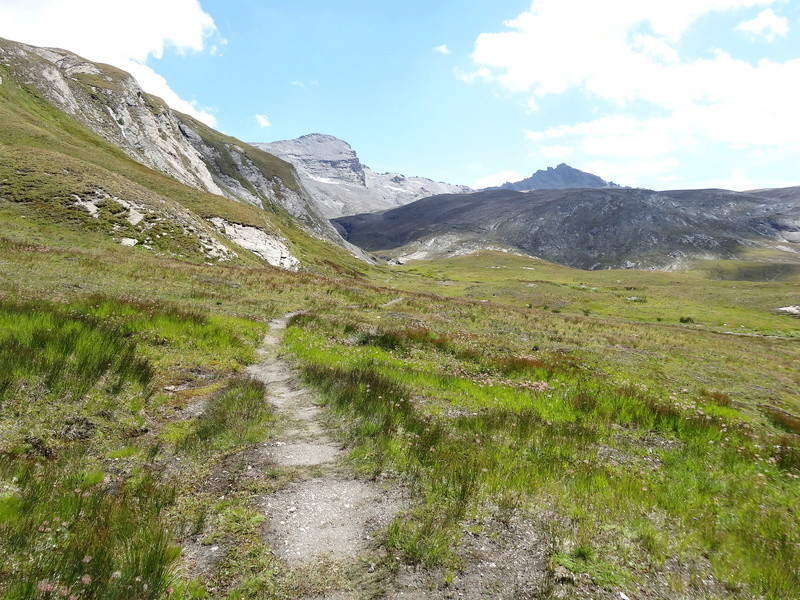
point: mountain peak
(322, 157)
(558, 178)
(316, 146)
(331, 170)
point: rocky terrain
(561, 177)
(341, 185)
(589, 228)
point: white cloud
(533, 106)
(767, 25)
(622, 136)
(156, 84)
(216, 49)
(497, 179)
(626, 54)
(740, 181)
(124, 34)
(547, 50)
(263, 121)
(443, 49)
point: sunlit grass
(235, 416)
(70, 529)
(576, 442)
(75, 385)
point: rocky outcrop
(260, 243)
(147, 223)
(321, 157)
(559, 178)
(341, 185)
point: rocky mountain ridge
(342, 185)
(82, 135)
(589, 228)
(559, 178)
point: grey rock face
(341, 185)
(112, 104)
(559, 178)
(266, 246)
(586, 228)
(321, 156)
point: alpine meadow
(241, 371)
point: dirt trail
(324, 514)
(327, 517)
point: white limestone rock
(260, 243)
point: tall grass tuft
(63, 373)
(236, 415)
(67, 529)
(67, 355)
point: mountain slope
(341, 185)
(587, 228)
(561, 177)
(112, 104)
(70, 182)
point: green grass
(66, 531)
(70, 386)
(552, 405)
(645, 424)
(484, 441)
(453, 357)
(82, 508)
(56, 368)
(234, 417)
(742, 306)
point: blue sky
(364, 71)
(689, 93)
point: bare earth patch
(502, 561)
(326, 519)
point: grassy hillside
(47, 158)
(267, 163)
(641, 427)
